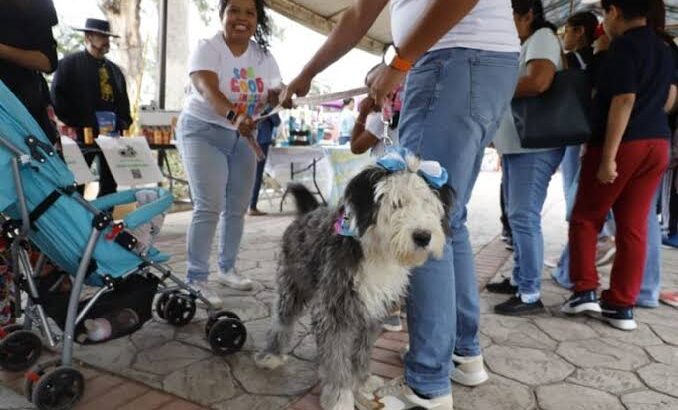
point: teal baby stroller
(78, 240)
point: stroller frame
(224, 329)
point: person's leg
(528, 185)
(242, 166)
(561, 273)
(635, 199)
(673, 205)
(592, 205)
(569, 167)
(442, 89)
(107, 183)
(207, 171)
(503, 201)
(651, 284)
(258, 177)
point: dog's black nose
(421, 237)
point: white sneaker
(469, 371)
(397, 395)
(234, 280)
(204, 288)
(404, 351)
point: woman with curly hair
(233, 78)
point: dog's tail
(305, 200)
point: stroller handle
(142, 214)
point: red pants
(640, 165)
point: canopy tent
(323, 15)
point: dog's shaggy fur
(351, 282)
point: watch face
(390, 54)
(230, 116)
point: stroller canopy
(63, 223)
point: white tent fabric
(322, 15)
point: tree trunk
(124, 16)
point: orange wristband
(401, 64)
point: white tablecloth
(334, 167)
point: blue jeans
(259, 176)
(220, 167)
(570, 168)
(454, 99)
(650, 287)
(528, 178)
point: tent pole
(163, 54)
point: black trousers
(107, 184)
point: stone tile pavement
(543, 362)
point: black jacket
(27, 24)
(75, 91)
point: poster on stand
(76, 161)
(131, 160)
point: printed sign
(131, 161)
(76, 162)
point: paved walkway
(545, 362)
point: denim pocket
(423, 85)
(493, 81)
(191, 126)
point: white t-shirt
(374, 124)
(489, 26)
(541, 45)
(244, 80)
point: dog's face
(398, 215)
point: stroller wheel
(161, 303)
(227, 336)
(35, 373)
(58, 389)
(215, 318)
(20, 350)
(6, 330)
(179, 309)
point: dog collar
(342, 226)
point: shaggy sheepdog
(351, 264)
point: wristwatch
(393, 59)
(231, 116)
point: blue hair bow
(394, 160)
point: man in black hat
(89, 91)
(28, 49)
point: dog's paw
(337, 400)
(269, 361)
(372, 384)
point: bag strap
(581, 60)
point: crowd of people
(445, 95)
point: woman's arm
(207, 84)
(617, 121)
(29, 59)
(537, 79)
(361, 139)
(353, 25)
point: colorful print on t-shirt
(250, 90)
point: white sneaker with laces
(469, 371)
(234, 280)
(397, 395)
(204, 288)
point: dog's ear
(359, 196)
(447, 197)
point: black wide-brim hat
(97, 26)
